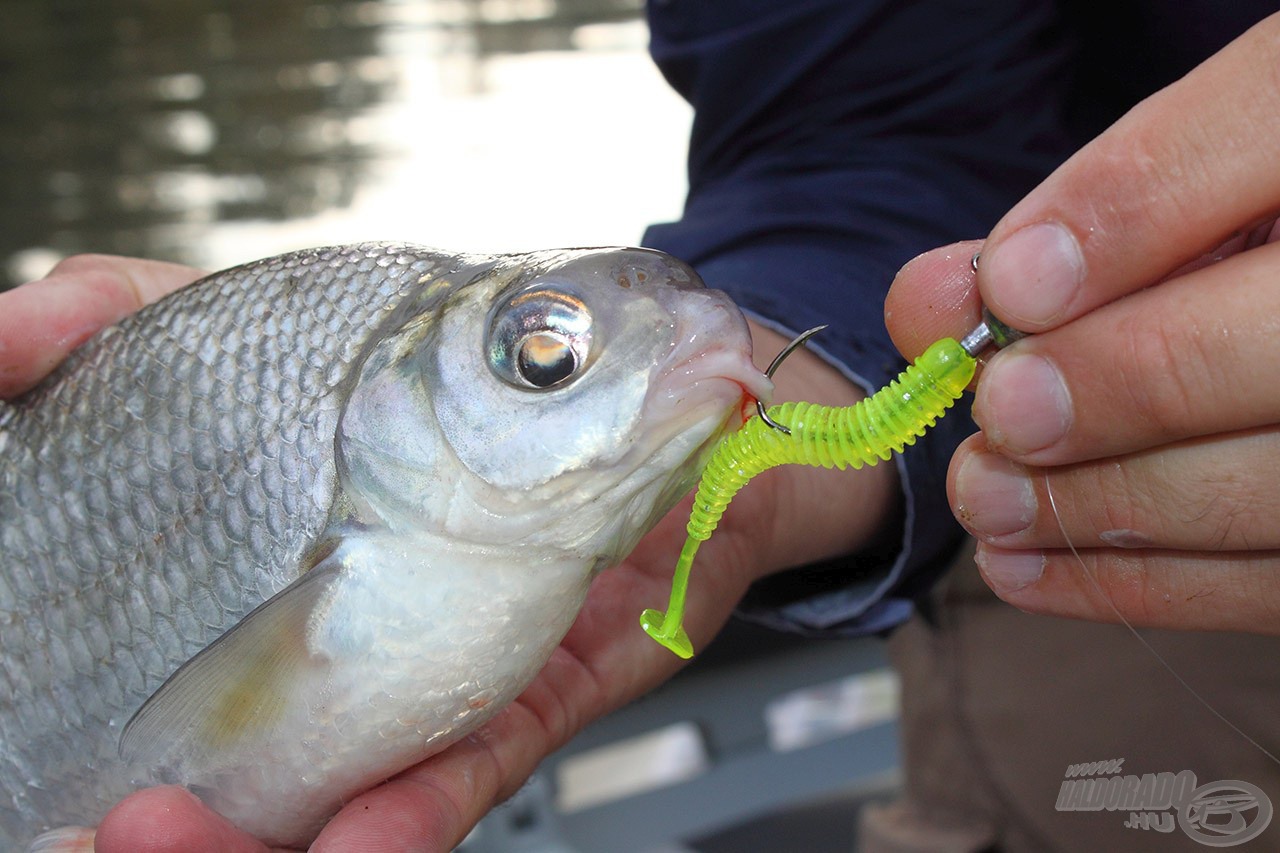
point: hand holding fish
(1144, 410)
(603, 662)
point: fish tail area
(66, 839)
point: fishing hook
(795, 344)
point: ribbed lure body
(829, 436)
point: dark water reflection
(135, 127)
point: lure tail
(833, 437)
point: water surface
(217, 132)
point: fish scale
(101, 525)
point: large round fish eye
(540, 338)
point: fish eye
(539, 339)
(545, 359)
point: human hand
(788, 517)
(1151, 421)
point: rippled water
(216, 132)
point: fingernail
(1009, 571)
(994, 495)
(1022, 403)
(1033, 274)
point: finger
(1267, 232)
(934, 296)
(427, 808)
(1158, 589)
(1176, 176)
(169, 820)
(1216, 494)
(42, 321)
(1192, 357)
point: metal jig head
(991, 331)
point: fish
(308, 521)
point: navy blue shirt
(834, 140)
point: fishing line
(1097, 585)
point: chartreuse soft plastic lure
(809, 434)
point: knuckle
(1171, 364)
(1149, 374)
(1213, 516)
(1122, 501)
(1123, 583)
(1153, 179)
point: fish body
(308, 521)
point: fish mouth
(707, 386)
(709, 375)
(704, 387)
(712, 383)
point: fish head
(563, 399)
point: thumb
(934, 296)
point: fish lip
(748, 385)
(756, 388)
(724, 335)
(711, 363)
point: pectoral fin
(239, 686)
(67, 839)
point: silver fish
(310, 520)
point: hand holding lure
(853, 436)
(830, 436)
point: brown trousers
(998, 704)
